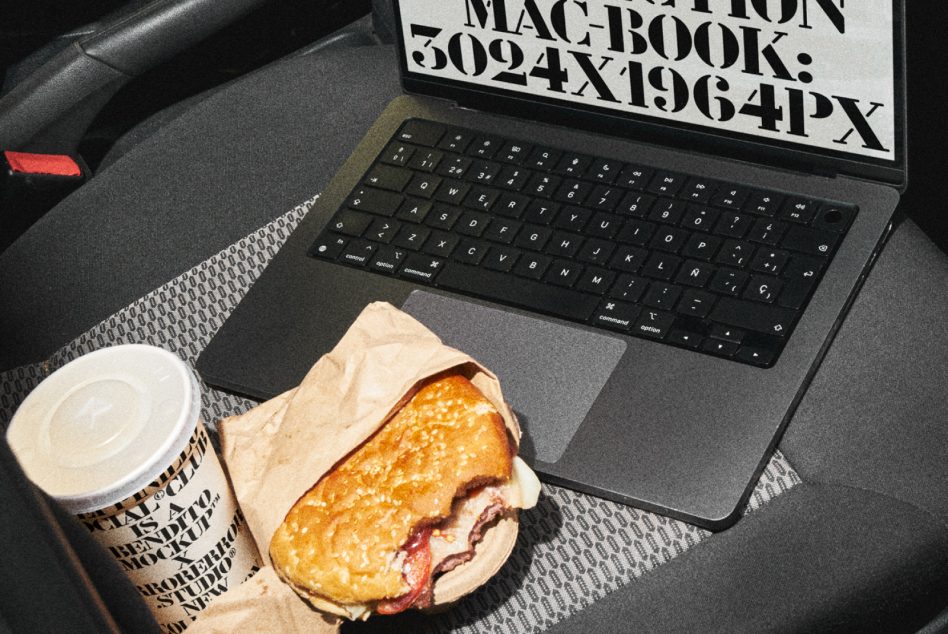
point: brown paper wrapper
(277, 451)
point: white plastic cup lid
(106, 425)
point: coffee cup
(116, 438)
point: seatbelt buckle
(31, 184)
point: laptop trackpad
(550, 374)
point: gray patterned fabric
(573, 548)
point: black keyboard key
(481, 198)
(443, 217)
(665, 183)
(595, 251)
(423, 185)
(763, 203)
(729, 282)
(411, 237)
(375, 201)
(700, 218)
(732, 225)
(726, 333)
(667, 210)
(472, 223)
(766, 231)
(511, 205)
(471, 252)
(634, 177)
(426, 160)
(388, 259)
(810, 241)
(485, 147)
(698, 190)
(834, 218)
(770, 261)
(573, 219)
(603, 225)
(350, 223)
(799, 210)
(800, 277)
(421, 132)
(654, 324)
(628, 288)
(803, 267)
(441, 244)
(455, 167)
(754, 316)
(700, 247)
(541, 212)
(484, 172)
(628, 259)
(542, 186)
(615, 315)
(532, 266)
(696, 303)
(414, 210)
(669, 239)
(661, 266)
(604, 170)
(695, 273)
(534, 237)
(543, 159)
(452, 192)
(513, 178)
(595, 280)
(517, 291)
(421, 268)
(501, 259)
(685, 338)
(755, 356)
(513, 152)
(328, 246)
(573, 192)
(563, 273)
(720, 348)
(636, 232)
(605, 198)
(736, 254)
(383, 230)
(663, 296)
(564, 244)
(730, 197)
(573, 165)
(635, 205)
(397, 154)
(390, 178)
(358, 252)
(502, 230)
(796, 292)
(456, 141)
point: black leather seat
(861, 545)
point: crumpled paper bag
(277, 451)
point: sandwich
(419, 515)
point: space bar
(517, 291)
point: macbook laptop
(649, 219)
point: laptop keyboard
(715, 267)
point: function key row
(547, 172)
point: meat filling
(451, 543)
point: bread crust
(339, 543)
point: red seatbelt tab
(31, 163)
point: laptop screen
(817, 75)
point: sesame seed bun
(339, 544)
